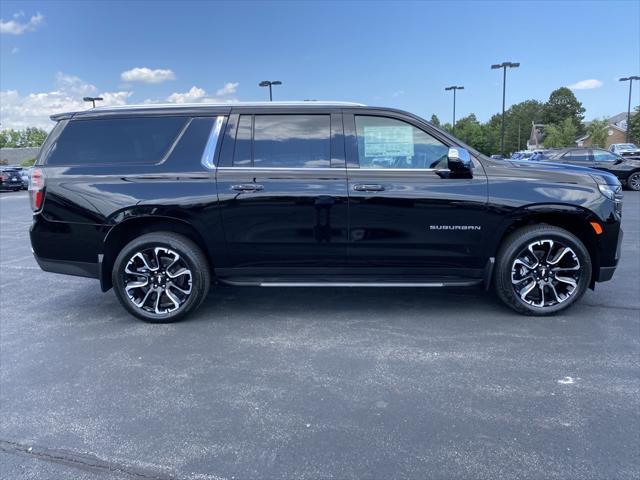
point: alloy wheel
(157, 280)
(545, 273)
(634, 181)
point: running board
(259, 283)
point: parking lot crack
(81, 461)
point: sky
(394, 54)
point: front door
(408, 214)
(282, 192)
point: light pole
(504, 66)
(454, 88)
(269, 83)
(630, 80)
(93, 100)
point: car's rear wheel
(541, 270)
(633, 182)
(161, 277)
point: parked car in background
(626, 169)
(625, 149)
(497, 156)
(159, 201)
(25, 175)
(523, 155)
(539, 155)
(10, 179)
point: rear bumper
(78, 269)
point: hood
(548, 167)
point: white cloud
(147, 75)
(33, 110)
(228, 88)
(397, 93)
(194, 95)
(585, 84)
(16, 27)
(198, 95)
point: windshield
(627, 146)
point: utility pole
(93, 100)
(270, 83)
(454, 88)
(504, 66)
(630, 80)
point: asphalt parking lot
(315, 383)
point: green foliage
(518, 120)
(29, 137)
(597, 131)
(435, 121)
(563, 135)
(634, 127)
(563, 104)
(28, 162)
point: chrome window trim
(208, 155)
(283, 169)
(330, 169)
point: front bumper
(606, 273)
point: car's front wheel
(541, 270)
(161, 277)
(633, 182)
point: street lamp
(504, 66)
(454, 88)
(269, 83)
(92, 100)
(630, 80)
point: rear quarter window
(115, 141)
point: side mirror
(459, 161)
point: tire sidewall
(198, 282)
(635, 174)
(509, 254)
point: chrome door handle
(248, 187)
(368, 187)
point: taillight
(36, 189)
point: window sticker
(388, 141)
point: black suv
(158, 202)
(10, 179)
(626, 169)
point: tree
(634, 126)
(518, 120)
(435, 121)
(563, 104)
(597, 131)
(563, 135)
(29, 137)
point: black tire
(633, 181)
(517, 244)
(190, 256)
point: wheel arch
(573, 219)
(122, 233)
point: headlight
(609, 186)
(608, 191)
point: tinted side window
(108, 141)
(292, 141)
(390, 143)
(577, 156)
(602, 156)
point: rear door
(282, 190)
(407, 214)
